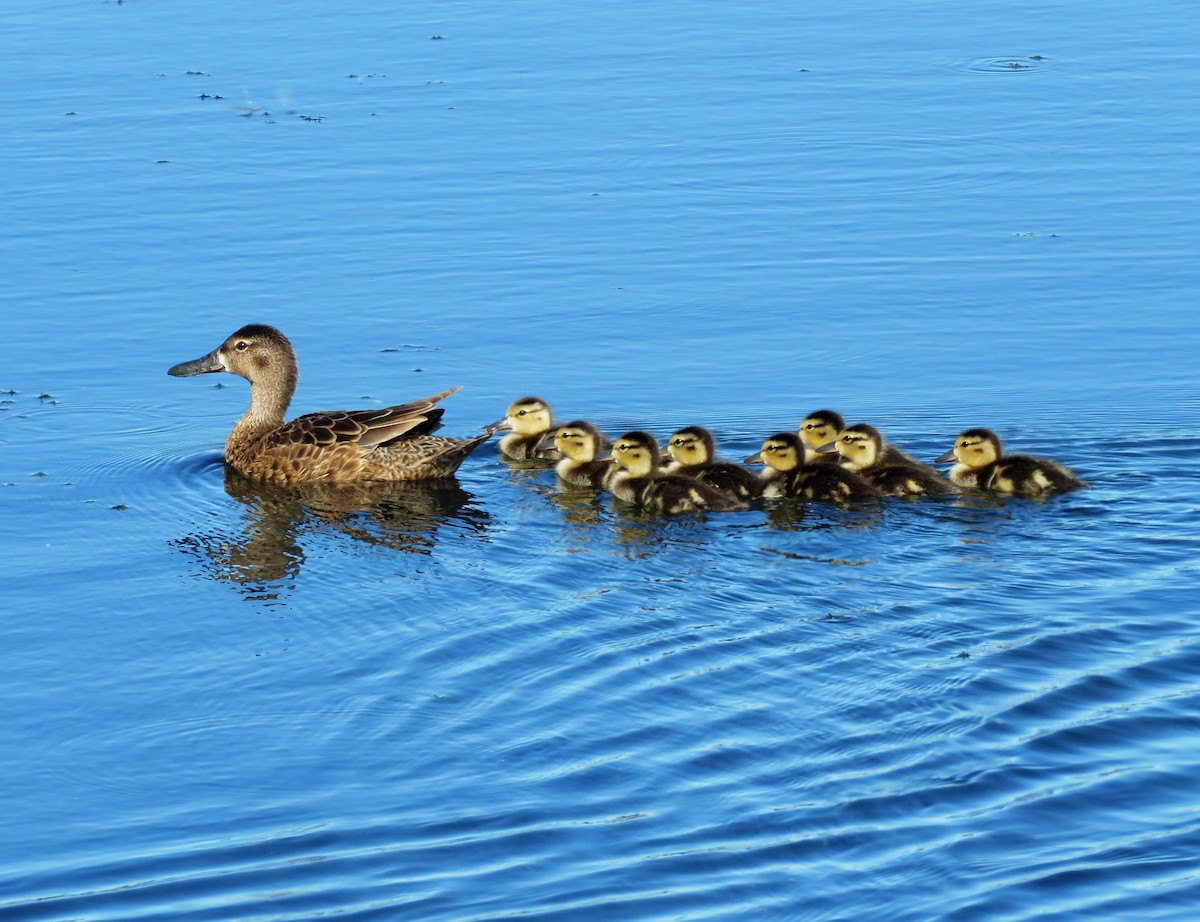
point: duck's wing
(367, 429)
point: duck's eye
(522, 412)
(241, 345)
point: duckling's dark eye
(241, 345)
(522, 412)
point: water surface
(487, 699)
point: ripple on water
(1003, 64)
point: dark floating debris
(1006, 64)
(195, 73)
(437, 38)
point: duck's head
(637, 452)
(860, 446)
(529, 416)
(256, 352)
(578, 440)
(974, 448)
(783, 451)
(692, 445)
(820, 428)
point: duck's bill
(828, 448)
(500, 425)
(946, 458)
(200, 366)
(755, 458)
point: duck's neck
(269, 401)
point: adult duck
(341, 446)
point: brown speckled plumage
(642, 482)
(791, 472)
(389, 443)
(865, 451)
(981, 464)
(693, 451)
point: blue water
(492, 700)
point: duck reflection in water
(267, 546)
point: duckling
(981, 464)
(579, 442)
(693, 452)
(532, 423)
(343, 446)
(642, 482)
(792, 471)
(820, 428)
(864, 450)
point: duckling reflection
(981, 464)
(268, 546)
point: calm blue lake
(488, 699)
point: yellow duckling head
(860, 446)
(578, 440)
(529, 416)
(784, 451)
(820, 428)
(975, 448)
(637, 452)
(691, 446)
